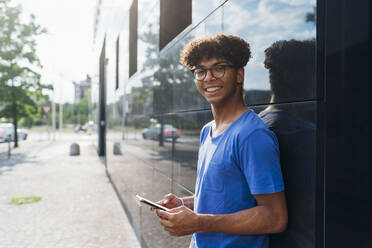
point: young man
(239, 196)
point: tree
(170, 83)
(311, 16)
(19, 80)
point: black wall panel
(133, 36)
(346, 124)
(175, 16)
(102, 103)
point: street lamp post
(60, 116)
(54, 114)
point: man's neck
(225, 114)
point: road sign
(46, 109)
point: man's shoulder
(249, 124)
(206, 127)
(209, 124)
(205, 130)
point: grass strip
(25, 200)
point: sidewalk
(79, 207)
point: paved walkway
(78, 209)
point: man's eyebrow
(217, 63)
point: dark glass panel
(133, 36)
(186, 146)
(148, 55)
(346, 124)
(175, 16)
(148, 37)
(102, 102)
(152, 232)
(160, 133)
(117, 63)
(131, 175)
(163, 80)
(294, 125)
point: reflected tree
(172, 83)
(311, 16)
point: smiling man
(239, 193)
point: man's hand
(179, 221)
(170, 201)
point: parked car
(153, 132)
(7, 132)
(22, 133)
(90, 127)
(79, 128)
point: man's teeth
(212, 89)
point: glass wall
(154, 118)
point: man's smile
(213, 89)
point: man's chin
(215, 102)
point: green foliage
(19, 79)
(76, 113)
(166, 84)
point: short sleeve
(260, 162)
(204, 132)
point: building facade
(150, 114)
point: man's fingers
(169, 229)
(162, 214)
(177, 209)
(166, 223)
(168, 198)
(172, 233)
(161, 202)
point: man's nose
(209, 76)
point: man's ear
(240, 76)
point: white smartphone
(152, 204)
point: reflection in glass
(163, 112)
(291, 67)
(261, 23)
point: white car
(7, 132)
(153, 132)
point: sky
(68, 54)
(66, 51)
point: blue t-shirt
(232, 167)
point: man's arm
(269, 216)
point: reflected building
(82, 88)
(149, 112)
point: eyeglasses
(217, 71)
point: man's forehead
(206, 62)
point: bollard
(74, 149)
(9, 149)
(117, 148)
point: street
(78, 206)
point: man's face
(218, 80)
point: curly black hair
(291, 65)
(230, 47)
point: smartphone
(152, 204)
